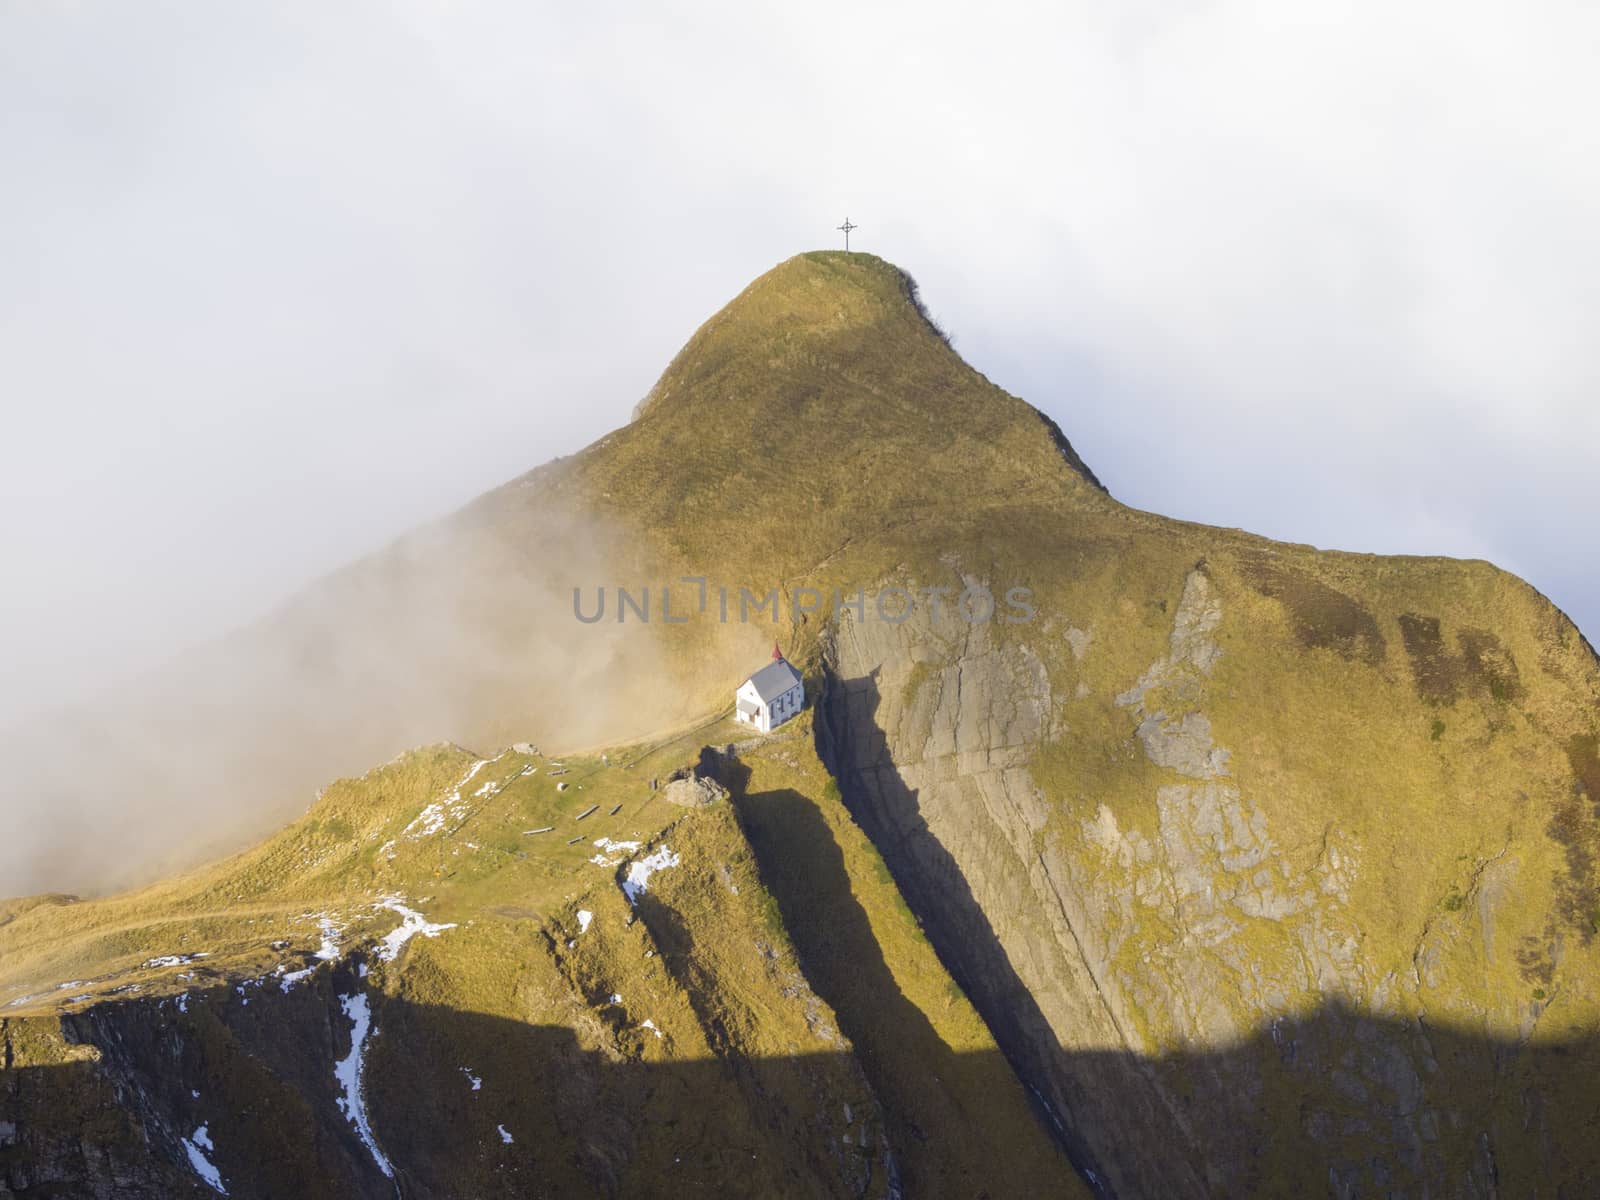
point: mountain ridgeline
(1187, 864)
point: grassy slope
(494, 992)
(519, 992)
(348, 851)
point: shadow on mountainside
(1336, 1102)
(928, 1089)
(552, 1118)
(856, 752)
(459, 1104)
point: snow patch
(173, 960)
(197, 1147)
(477, 1084)
(584, 917)
(612, 853)
(347, 1073)
(411, 924)
(329, 950)
(647, 1023)
(504, 1136)
(447, 811)
(639, 872)
(287, 979)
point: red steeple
(777, 655)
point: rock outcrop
(690, 789)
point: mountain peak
(825, 381)
(824, 322)
(809, 299)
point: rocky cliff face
(1221, 978)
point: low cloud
(456, 633)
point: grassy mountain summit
(825, 379)
(1214, 867)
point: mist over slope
(451, 632)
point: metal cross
(847, 227)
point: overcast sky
(279, 281)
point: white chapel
(771, 696)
